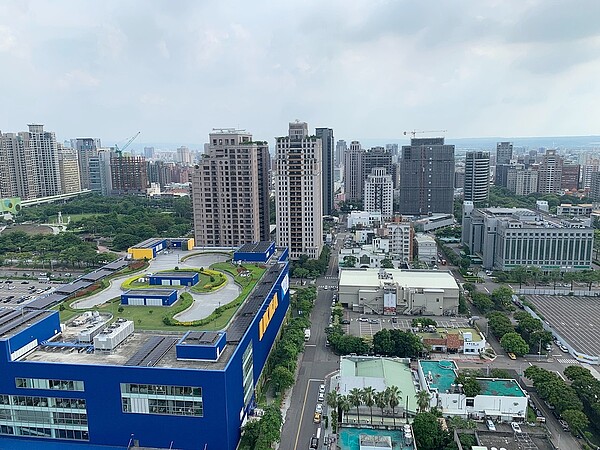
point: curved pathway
(204, 304)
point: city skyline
(517, 69)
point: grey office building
(327, 143)
(477, 176)
(426, 177)
(510, 237)
(504, 151)
(86, 148)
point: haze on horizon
(175, 70)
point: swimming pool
(349, 438)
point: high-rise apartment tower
(477, 176)
(298, 200)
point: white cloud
(366, 68)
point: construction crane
(119, 151)
(415, 132)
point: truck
(307, 334)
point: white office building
(379, 193)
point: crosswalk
(567, 361)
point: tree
(355, 399)
(350, 261)
(470, 386)
(514, 343)
(499, 324)
(387, 263)
(383, 343)
(429, 434)
(343, 407)
(282, 378)
(300, 272)
(368, 399)
(482, 301)
(423, 400)
(535, 274)
(520, 275)
(576, 420)
(393, 394)
(502, 297)
(465, 263)
(381, 400)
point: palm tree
(368, 398)
(355, 399)
(381, 400)
(423, 399)
(393, 398)
(343, 405)
(333, 399)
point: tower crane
(415, 132)
(119, 151)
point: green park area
(162, 318)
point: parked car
(394, 320)
(321, 396)
(373, 321)
(317, 418)
(515, 427)
(321, 389)
(363, 319)
(564, 425)
(563, 349)
(319, 408)
(490, 425)
(345, 322)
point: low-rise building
(396, 291)
(433, 222)
(567, 209)
(453, 340)
(364, 219)
(499, 399)
(426, 248)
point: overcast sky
(371, 69)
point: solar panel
(20, 320)
(144, 350)
(44, 302)
(4, 312)
(158, 352)
(8, 317)
(94, 276)
(116, 265)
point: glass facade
(42, 383)
(247, 373)
(161, 399)
(48, 417)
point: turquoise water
(349, 438)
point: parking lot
(18, 292)
(576, 319)
(367, 325)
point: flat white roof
(424, 279)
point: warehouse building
(159, 390)
(177, 278)
(510, 237)
(149, 248)
(396, 291)
(149, 297)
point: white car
(319, 408)
(322, 389)
(515, 427)
(490, 425)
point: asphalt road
(317, 362)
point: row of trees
(499, 299)
(305, 267)
(529, 332)
(502, 197)
(588, 389)
(281, 366)
(97, 204)
(48, 250)
(403, 344)
(558, 393)
(535, 275)
(391, 398)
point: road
(317, 362)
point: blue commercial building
(192, 391)
(177, 278)
(149, 297)
(259, 252)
